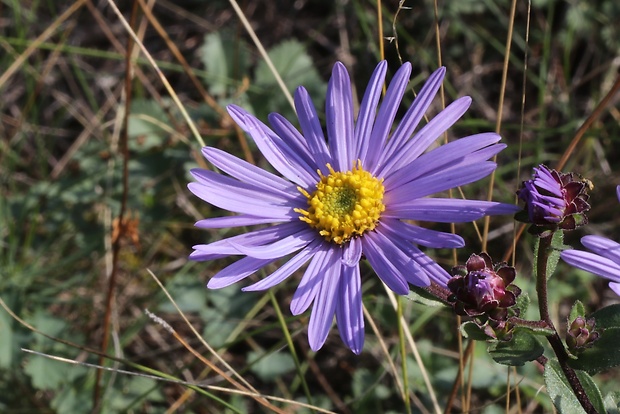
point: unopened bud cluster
(484, 292)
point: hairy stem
(544, 249)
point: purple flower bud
(554, 200)
(481, 289)
(581, 334)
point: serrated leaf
(271, 366)
(605, 352)
(562, 394)
(522, 347)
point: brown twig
(116, 242)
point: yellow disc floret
(345, 204)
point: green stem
(291, 346)
(403, 353)
(544, 249)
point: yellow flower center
(345, 204)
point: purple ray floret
(341, 198)
(603, 260)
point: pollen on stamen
(344, 204)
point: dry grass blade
(245, 386)
(160, 74)
(180, 382)
(262, 51)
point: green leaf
(557, 245)
(577, 310)
(7, 345)
(296, 68)
(224, 56)
(605, 352)
(612, 403)
(147, 122)
(271, 366)
(422, 296)
(523, 302)
(471, 330)
(562, 394)
(523, 347)
(46, 374)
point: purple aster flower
(345, 197)
(604, 260)
(553, 200)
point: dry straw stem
(160, 74)
(42, 38)
(180, 382)
(262, 51)
(209, 100)
(246, 385)
(414, 350)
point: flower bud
(581, 334)
(553, 200)
(482, 290)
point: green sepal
(539, 328)
(522, 347)
(562, 394)
(605, 352)
(471, 330)
(577, 310)
(523, 302)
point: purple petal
(352, 253)
(592, 263)
(440, 181)
(420, 235)
(468, 150)
(339, 118)
(618, 192)
(413, 116)
(368, 110)
(389, 262)
(423, 267)
(233, 273)
(311, 280)
(615, 286)
(324, 306)
(248, 173)
(311, 127)
(603, 246)
(296, 141)
(232, 221)
(349, 316)
(427, 135)
(278, 153)
(435, 272)
(284, 271)
(233, 195)
(229, 245)
(280, 248)
(385, 117)
(447, 210)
